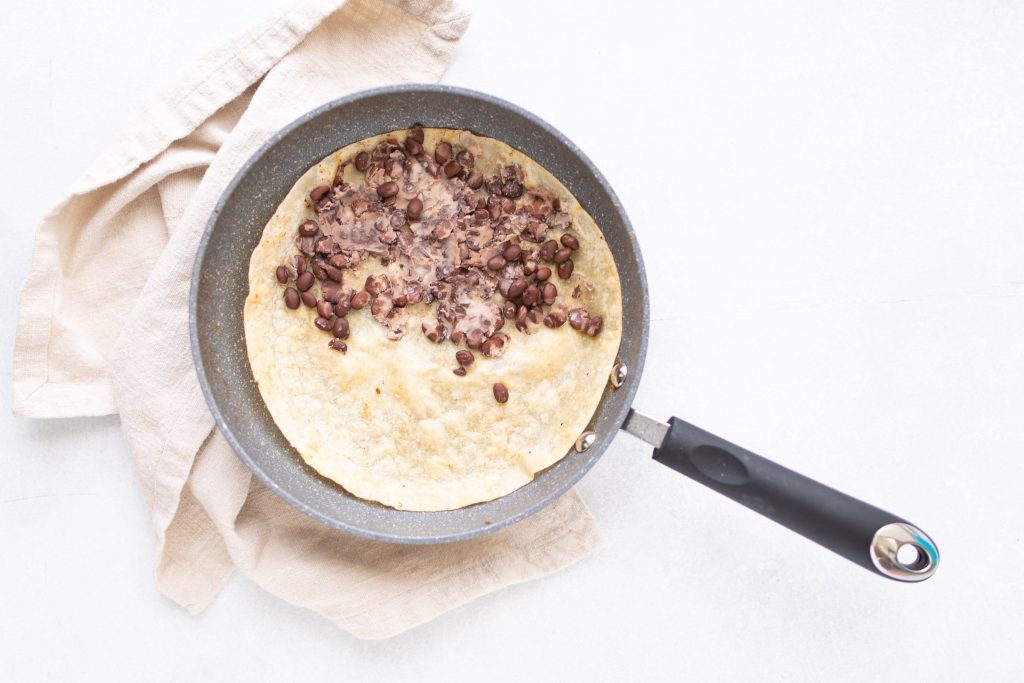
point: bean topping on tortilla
(443, 234)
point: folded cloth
(103, 328)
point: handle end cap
(903, 552)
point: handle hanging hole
(912, 557)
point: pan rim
(596, 450)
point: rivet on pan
(585, 441)
(618, 376)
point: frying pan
(876, 540)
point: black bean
(283, 274)
(460, 371)
(517, 288)
(578, 318)
(360, 299)
(569, 241)
(338, 345)
(563, 255)
(375, 284)
(387, 189)
(416, 133)
(507, 205)
(415, 208)
(509, 310)
(318, 270)
(378, 306)
(363, 161)
(594, 326)
(332, 291)
(308, 228)
(466, 158)
(304, 281)
(452, 169)
(413, 147)
(495, 346)
(543, 273)
(512, 252)
(322, 323)
(435, 331)
(496, 262)
(512, 189)
(531, 295)
(565, 270)
(333, 273)
(465, 358)
(548, 293)
(548, 249)
(291, 298)
(443, 152)
(340, 328)
(308, 299)
(555, 319)
(300, 264)
(500, 392)
(325, 308)
(318, 192)
(475, 180)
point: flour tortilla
(389, 421)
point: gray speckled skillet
(862, 533)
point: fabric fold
(103, 327)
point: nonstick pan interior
(220, 285)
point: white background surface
(830, 198)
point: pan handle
(877, 540)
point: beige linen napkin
(103, 328)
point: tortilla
(388, 420)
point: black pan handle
(877, 540)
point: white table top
(832, 213)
